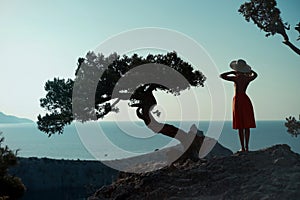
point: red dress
(243, 114)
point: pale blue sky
(42, 39)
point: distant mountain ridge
(5, 119)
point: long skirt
(243, 114)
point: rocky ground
(50, 179)
(271, 173)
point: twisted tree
(266, 16)
(99, 90)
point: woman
(243, 114)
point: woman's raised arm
(253, 75)
(226, 76)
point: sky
(41, 39)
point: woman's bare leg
(247, 137)
(241, 135)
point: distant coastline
(10, 119)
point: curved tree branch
(191, 142)
(266, 16)
(293, 47)
(115, 103)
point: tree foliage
(11, 187)
(266, 16)
(58, 100)
(293, 126)
(97, 90)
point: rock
(164, 157)
(194, 129)
(210, 147)
(218, 151)
(271, 173)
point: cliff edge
(271, 173)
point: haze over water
(33, 143)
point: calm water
(126, 139)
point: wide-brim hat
(240, 66)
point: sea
(108, 140)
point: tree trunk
(293, 47)
(191, 142)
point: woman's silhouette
(243, 114)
